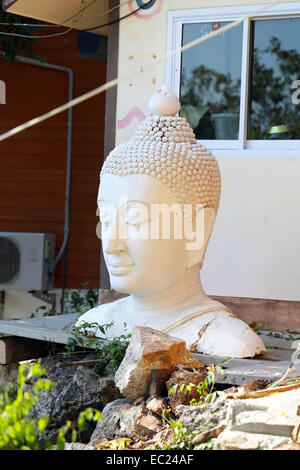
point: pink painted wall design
(133, 113)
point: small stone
(156, 405)
(236, 440)
(147, 425)
(239, 440)
(124, 419)
(139, 401)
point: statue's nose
(113, 243)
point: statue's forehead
(141, 188)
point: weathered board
(280, 348)
(15, 349)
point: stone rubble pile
(149, 390)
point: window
(238, 90)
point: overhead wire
(48, 25)
(106, 86)
(119, 19)
(55, 25)
(29, 36)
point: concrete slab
(275, 414)
(58, 329)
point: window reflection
(211, 80)
(275, 66)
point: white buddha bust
(154, 257)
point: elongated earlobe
(195, 249)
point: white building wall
(254, 250)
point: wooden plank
(278, 315)
(15, 349)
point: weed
(181, 437)
(75, 301)
(110, 353)
(205, 388)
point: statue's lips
(119, 268)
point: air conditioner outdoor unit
(25, 259)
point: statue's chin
(122, 284)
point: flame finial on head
(164, 102)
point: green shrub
(18, 429)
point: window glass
(211, 80)
(274, 111)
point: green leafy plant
(110, 353)
(181, 437)
(18, 429)
(75, 301)
(205, 388)
(81, 300)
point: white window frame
(177, 18)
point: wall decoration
(146, 13)
(133, 113)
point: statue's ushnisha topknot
(164, 147)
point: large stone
(239, 440)
(76, 388)
(124, 419)
(269, 422)
(206, 416)
(149, 349)
(275, 414)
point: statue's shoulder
(223, 334)
(102, 313)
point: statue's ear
(196, 248)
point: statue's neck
(190, 286)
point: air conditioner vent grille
(9, 260)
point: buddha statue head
(158, 198)
(161, 172)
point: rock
(275, 414)
(76, 388)
(139, 401)
(184, 378)
(147, 425)
(205, 436)
(149, 349)
(239, 440)
(264, 423)
(124, 419)
(8, 373)
(114, 423)
(288, 446)
(157, 405)
(78, 446)
(203, 416)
